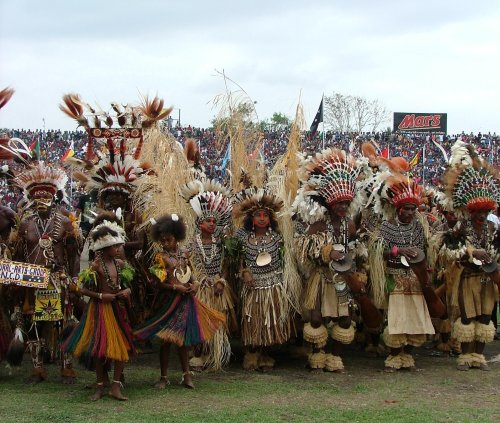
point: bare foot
(187, 380)
(162, 383)
(99, 392)
(389, 370)
(116, 392)
(197, 369)
(68, 380)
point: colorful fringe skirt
(184, 321)
(103, 332)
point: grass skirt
(265, 317)
(103, 332)
(184, 321)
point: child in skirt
(104, 332)
(183, 320)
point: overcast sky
(421, 56)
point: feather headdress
(107, 239)
(252, 199)
(470, 182)
(401, 190)
(208, 198)
(117, 167)
(328, 177)
(40, 177)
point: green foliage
(127, 274)
(87, 278)
(280, 119)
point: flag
(317, 119)
(69, 153)
(225, 160)
(385, 153)
(35, 147)
(413, 162)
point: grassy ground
(438, 393)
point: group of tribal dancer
(356, 245)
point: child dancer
(104, 332)
(184, 320)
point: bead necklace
(409, 227)
(482, 240)
(114, 286)
(339, 236)
(213, 250)
(39, 223)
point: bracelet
(173, 287)
(100, 296)
(394, 251)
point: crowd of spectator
(55, 143)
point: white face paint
(43, 203)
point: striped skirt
(103, 332)
(184, 321)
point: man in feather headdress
(326, 245)
(472, 189)
(403, 243)
(46, 237)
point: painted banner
(23, 274)
(420, 122)
(48, 306)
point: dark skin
(7, 221)
(207, 228)
(135, 239)
(261, 222)
(478, 220)
(64, 246)
(406, 214)
(169, 255)
(107, 295)
(29, 233)
(336, 213)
